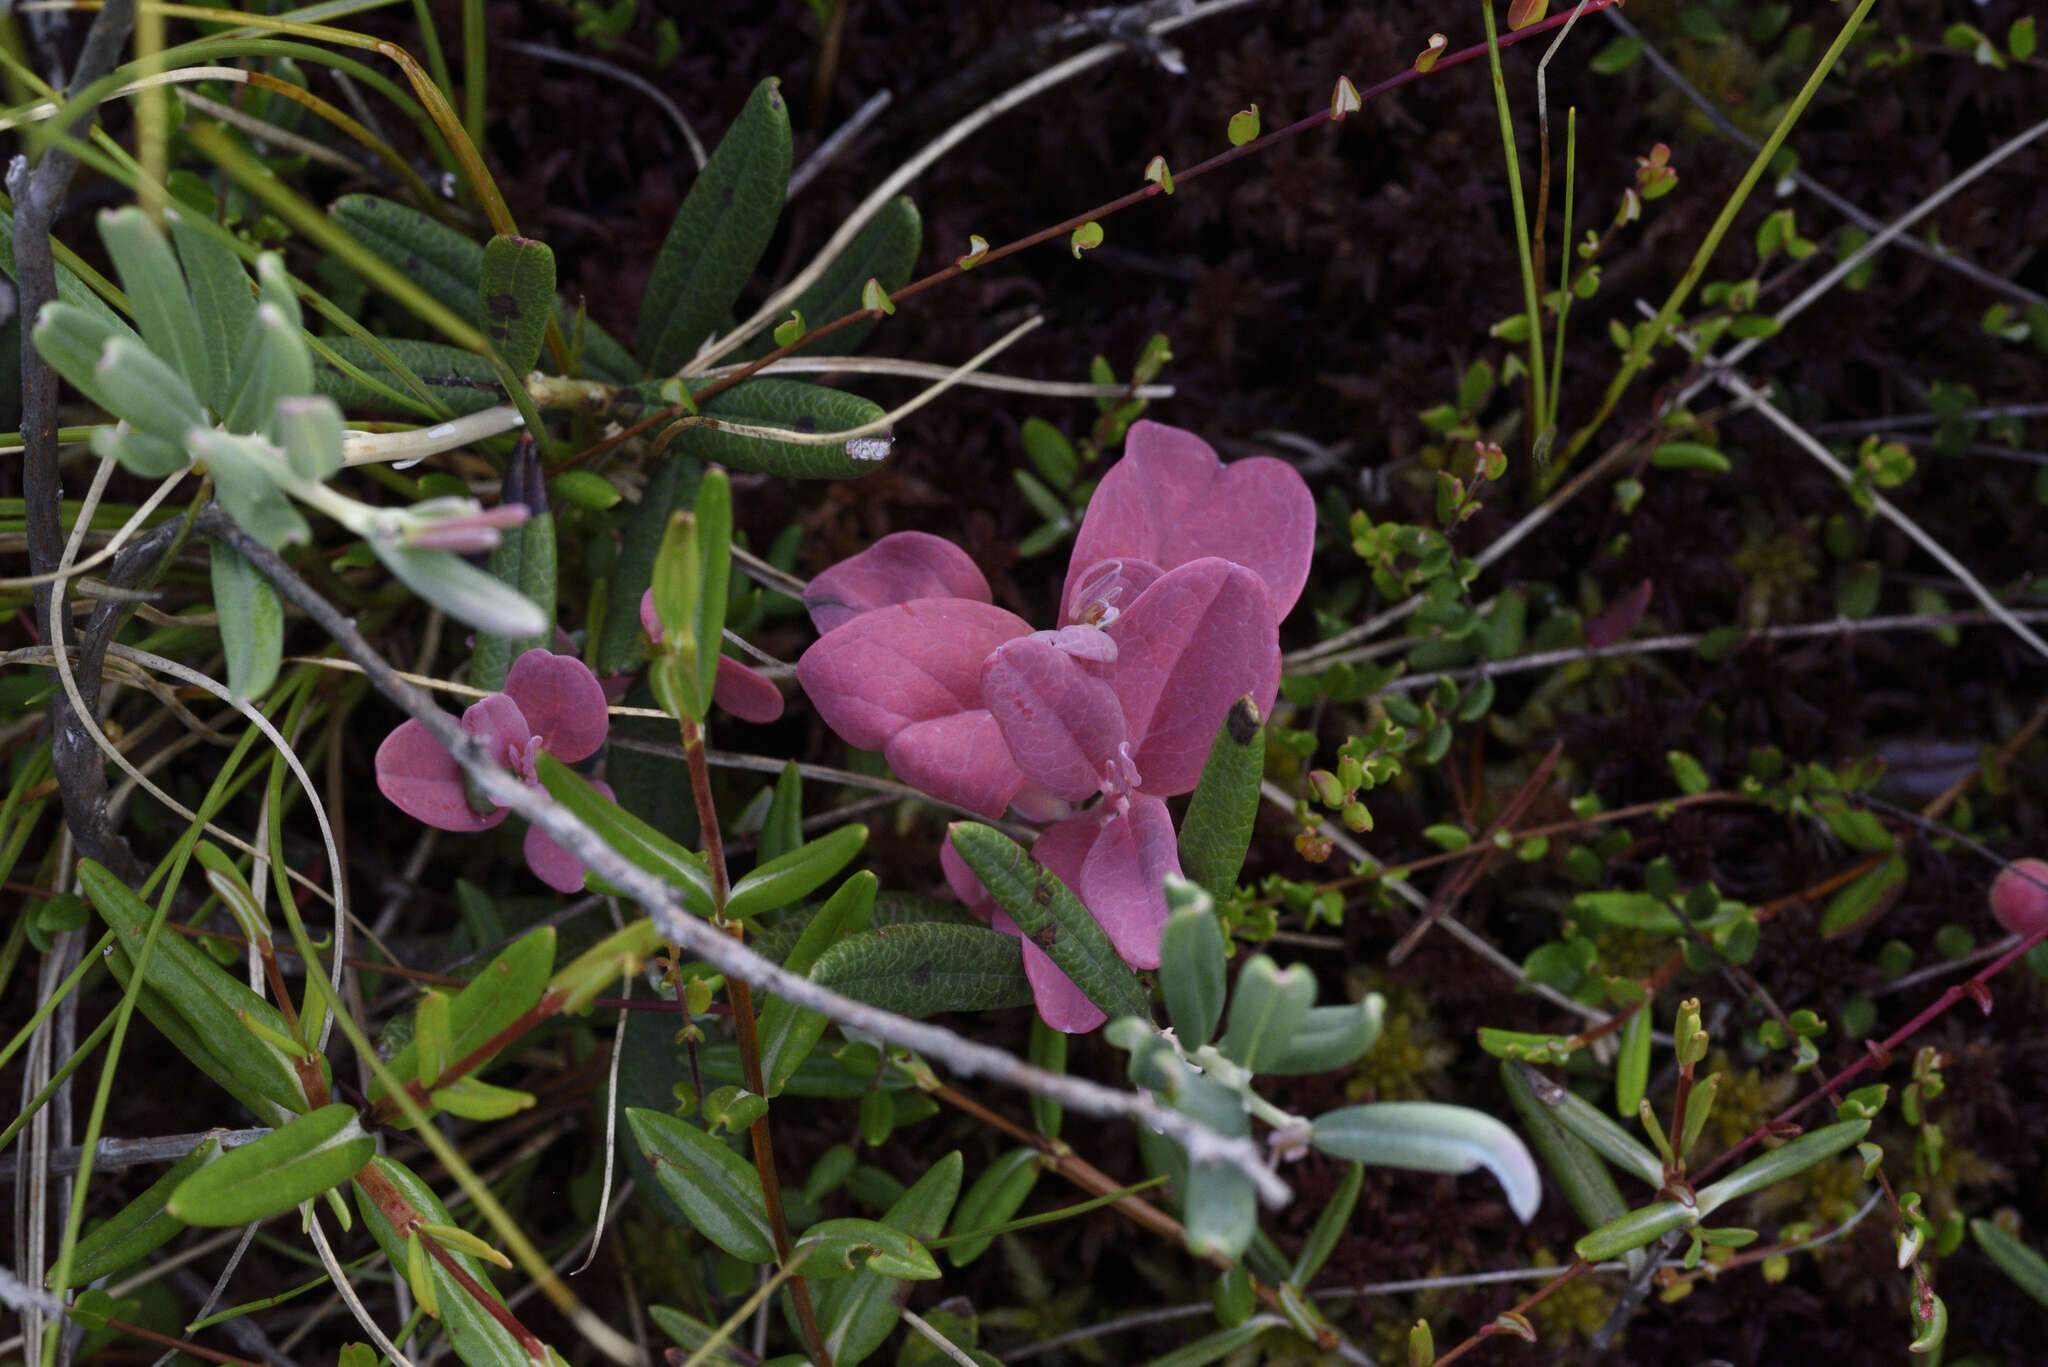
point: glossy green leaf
(858, 1312)
(788, 1032)
(463, 380)
(1865, 899)
(140, 1227)
(1192, 965)
(692, 570)
(716, 1188)
(1635, 1229)
(1632, 1065)
(314, 1153)
(783, 829)
(251, 622)
(1048, 1050)
(995, 1197)
(479, 1337)
(921, 970)
(1577, 1170)
(508, 987)
(2028, 1269)
(1044, 909)
(796, 875)
(1329, 1227)
(1779, 1164)
(719, 233)
(578, 983)
(1606, 1138)
(885, 250)
(1266, 1008)
(223, 302)
(1429, 1137)
(671, 488)
(795, 407)
(517, 286)
(1217, 829)
(683, 870)
(1330, 1037)
(838, 1248)
(461, 590)
(195, 1049)
(205, 996)
(691, 1334)
(1689, 455)
(156, 291)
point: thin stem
(1521, 1307)
(1537, 388)
(750, 1045)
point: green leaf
(1329, 1037)
(921, 970)
(718, 1190)
(884, 251)
(1633, 1230)
(480, 1338)
(795, 407)
(1265, 1010)
(147, 394)
(1044, 909)
(691, 1335)
(1689, 455)
(1048, 1050)
(1794, 1158)
(1864, 900)
(157, 295)
(72, 340)
(1329, 1227)
(517, 288)
(1578, 1171)
(2028, 1269)
(783, 830)
(509, 986)
(72, 290)
(1686, 771)
(1219, 1345)
(858, 1312)
(718, 234)
(683, 870)
(314, 1153)
(223, 302)
(1429, 1137)
(434, 256)
(461, 590)
(523, 560)
(1192, 967)
(309, 428)
(840, 1247)
(274, 361)
(463, 380)
(2020, 42)
(1219, 1206)
(995, 1197)
(1632, 1067)
(691, 572)
(251, 622)
(789, 1032)
(140, 1227)
(671, 488)
(781, 882)
(1217, 829)
(202, 994)
(1599, 1132)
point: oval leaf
(921, 970)
(517, 290)
(995, 1196)
(314, 1153)
(838, 1247)
(1217, 829)
(796, 875)
(718, 1190)
(1265, 1010)
(794, 407)
(141, 1227)
(1192, 967)
(1330, 1037)
(251, 622)
(1429, 1137)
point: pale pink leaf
(906, 663)
(1198, 640)
(746, 692)
(1620, 617)
(650, 620)
(1061, 721)
(958, 758)
(1117, 866)
(963, 882)
(552, 864)
(1171, 501)
(423, 780)
(899, 568)
(501, 725)
(563, 702)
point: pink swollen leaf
(1061, 1004)
(1171, 501)
(501, 724)
(1117, 866)
(422, 779)
(902, 664)
(1620, 617)
(1059, 717)
(899, 568)
(550, 863)
(1194, 643)
(563, 702)
(746, 692)
(958, 758)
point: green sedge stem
(1537, 387)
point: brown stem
(492, 1306)
(742, 997)
(1521, 1307)
(386, 1108)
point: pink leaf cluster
(1181, 573)
(551, 703)
(739, 688)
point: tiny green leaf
(1244, 126)
(1265, 1010)
(838, 1247)
(1690, 455)
(1088, 235)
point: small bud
(1244, 126)
(788, 333)
(1157, 172)
(1522, 13)
(1425, 60)
(977, 248)
(1344, 100)
(874, 298)
(1088, 235)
